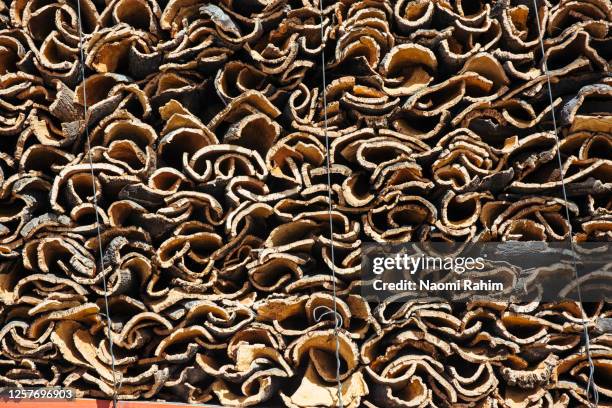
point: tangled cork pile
(206, 123)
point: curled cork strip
(209, 136)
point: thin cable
(329, 199)
(95, 202)
(328, 311)
(591, 380)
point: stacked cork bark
(206, 123)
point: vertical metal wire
(95, 202)
(330, 209)
(591, 380)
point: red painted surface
(92, 403)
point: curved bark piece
(489, 68)
(585, 111)
(121, 49)
(285, 311)
(365, 36)
(97, 92)
(139, 14)
(408, 68)
(540, 375)
(17, 51)
(419, 124)
(17, 109)
(520, 28)
(56, 60)
(255, 362)
(560, 18)
(237, 78)
(461, 211)
(418, 376)
(182, 345)
(469, 39)
(535, 218)
(190, 258)
(413, 15)
(319, 380)
(397, 218)
(74, 184)
(256, 132)
(317, 346)
(469, 163)
(438, 98)
(312, 393)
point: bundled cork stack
(206, 123)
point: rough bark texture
(208, 149)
